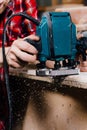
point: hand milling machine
(58, 42)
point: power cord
(5, 64)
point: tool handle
(36, 44)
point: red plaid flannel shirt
(18, 27)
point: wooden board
(79, 81)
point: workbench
(47, 103)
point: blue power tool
(58, 43)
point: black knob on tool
(36, 44)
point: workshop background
(50, 5)
(44, 3)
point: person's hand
(50, 64)
(83, 64)
(21, 53)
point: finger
(25, 46)
(11, 56)
(83, 69)
(14, 64)
(23, 55)
(33, 37)
(50, 64)
(83, 64)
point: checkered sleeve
(31, 9)
(19, 26)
